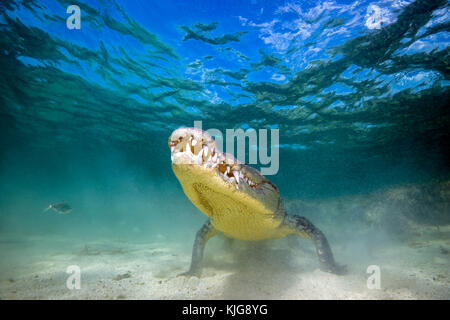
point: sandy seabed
(34, 267)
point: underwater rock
(402, 212)
(426, 203)
(88, 252)
(122, 276)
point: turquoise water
(358, 91)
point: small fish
(60, 207)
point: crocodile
(238, 200)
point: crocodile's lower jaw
(232, 212)
(206, 189)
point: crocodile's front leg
(203, 235)
(305, 229)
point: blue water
(358, 90)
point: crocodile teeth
(172, 148)
(188, 149)
(198, 158)
(228, 169)
(231, 179)
(214, 159)
(194, 142)
(236, 175)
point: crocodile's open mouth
(196, 147)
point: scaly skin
(242, 205)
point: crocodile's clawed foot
(190, 273)
(335, 269)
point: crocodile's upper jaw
(230, 193)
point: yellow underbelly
(244, 227)
(237, 216)
(238, 221)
